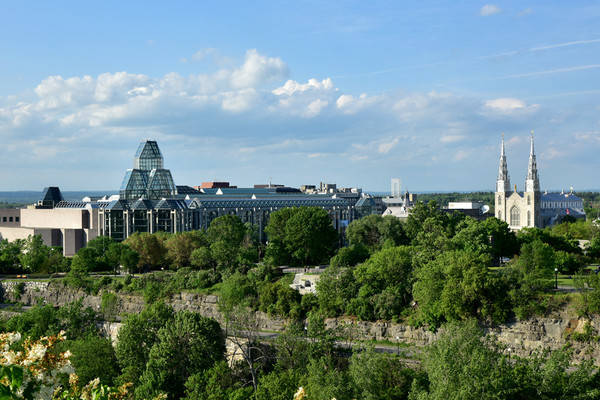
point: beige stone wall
(60, 218)
(11, 234)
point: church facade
(519, 209)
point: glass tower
(148, 179)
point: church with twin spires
(523, 209)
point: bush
(19, 289)
(109, 305)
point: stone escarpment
(521, 338)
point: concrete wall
(11, 234)
(10, 217)
(57, 218)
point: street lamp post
(556, 278)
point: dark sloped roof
(52, 193)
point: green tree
(385, 282)
(472, 235)
(465, 365)
(301, 236)
(34, 257)
(278, 385)
(503, 240)
(181, 245)
(531, 274)
(189, 345)
(129, 258)
(9, 255)
(379, 376)
(136, 337)
(350, 256)
(373, 231)
(216, 383)
(419, 213)
(226, 235)
(275, 230)
(150, 247)
(201, 258)
(310, 236)
(94, 357)
(336, 287)
(325, 382)
(458, 285)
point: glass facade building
(149, 201)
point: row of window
(564, 204)
(10, 219)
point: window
(500, 215)
(499, 199)
(528, 218)
(16, 219)
(3, 219)
(515, 216)
(528, 200)
(10, 219)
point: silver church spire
(532, 183)
(503, 182)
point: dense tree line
(436, 267)
(182, 355)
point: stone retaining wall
(521, 337)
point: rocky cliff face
(520, 337)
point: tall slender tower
(502, 186)
(532, 183)
(532, 191)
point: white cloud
(290, 87)
(258, 69)
(239, 101)
(350, 105)
(452, 138)
(233, 111)
(489, 9)
(509, 105)
(315, 107)
(385, 148)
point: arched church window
(515, 216)
(500, 215)
(528, 218)
(499, 199)
(528, 200)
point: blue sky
(299, 92)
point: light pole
(398, 345)
(555, 278)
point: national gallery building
(149, 201)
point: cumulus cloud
(489, 9)
(252, 113)
(315, 107)
(290, 87)
(508, 105)
(258, 69)
(351, 105)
